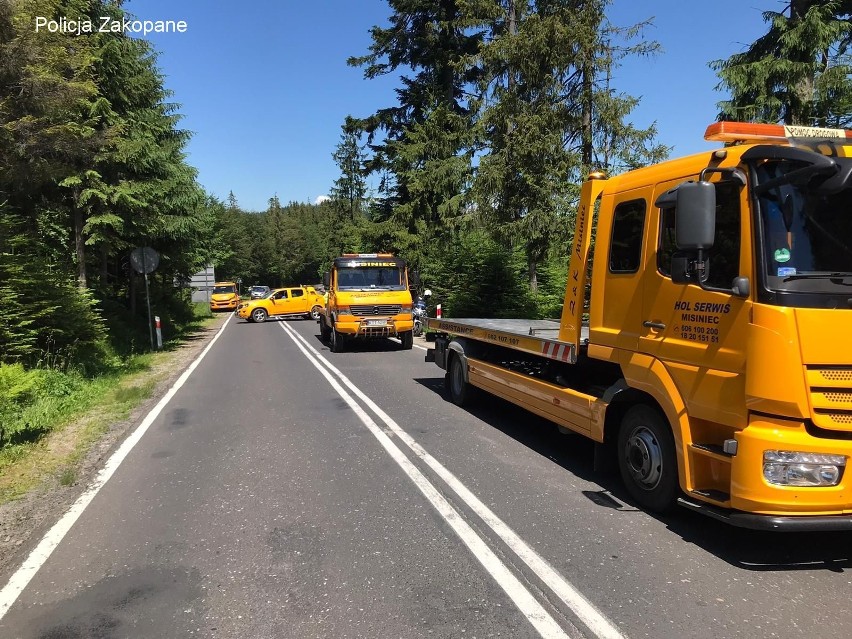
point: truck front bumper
(778, 523)
(224, 306)
(369, 327)
(786, 507)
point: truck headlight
(790, 468)
(344, 310)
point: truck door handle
(658, 325)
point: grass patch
(67, 477)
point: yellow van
(224, 297)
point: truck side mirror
(326, 280)
(414, 278)
(695, 220)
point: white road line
(585, 610)
(41, 553)
(535, 613)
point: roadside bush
(29, 399)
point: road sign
(144, 259)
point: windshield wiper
(817, 276)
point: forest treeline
(502, 108)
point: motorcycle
(419, 315)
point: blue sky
(264, 86)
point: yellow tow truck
(369, 297)
(706, 347)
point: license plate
(377, 322)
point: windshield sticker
(782, 255)
(784, 271)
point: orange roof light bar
(367, 255)
(754, 132)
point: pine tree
(798, 72)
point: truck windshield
(806, 235)
(358, 278)
(224, 289)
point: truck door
(298, 301)
(280, 303)
(699, 332)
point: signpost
(146, 260)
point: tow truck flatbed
(536, 337)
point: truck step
(712, 493)
(711, 450)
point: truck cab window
(626, 244)
(724, 257)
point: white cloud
(322, 198)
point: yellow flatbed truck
(707, 345)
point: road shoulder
(24, 521)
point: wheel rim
(644, 458)
(315, 314)
(258, 315)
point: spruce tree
(796, 73)
(424, 156)
(350, 189)
(550, 116)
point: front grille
(834, 374)
(375, 331)
(831, 396)
(365, 310)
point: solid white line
(41, 553)
(585, 610)
(535, 613)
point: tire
(259, 315)
(647, 460)
(315, 313)
(325, 332)
(407, 340)
(335, 341)
(459, 390)
(417, 331)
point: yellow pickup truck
(293, 301)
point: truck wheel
(258, 315)
(407, 339)
(315, 312)
(647, 460)
(460, 391)
(335, 341)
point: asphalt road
(275, 497)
